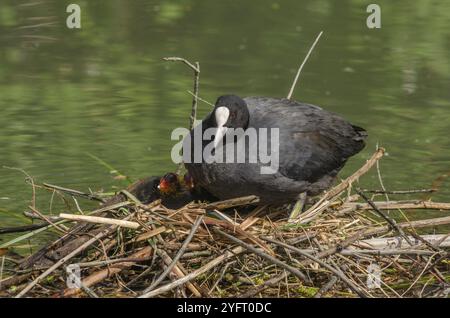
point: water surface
(68, 96)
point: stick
(238, 230)
(379, 230)
(19, 229)
(303, 64)
(338, 273)
(201, 99)
(226, 204)
(328, 196)
(147, 235)
(441, 240)
(252, 217)
(100, 220)
(65, 259)
(377, 252)
(38, 255)
(196, 69)
(74, 192)
(179, 271)
(33, 216)
(391, 222)
(30, 178)
(177, 256)
(98, 276)
(333, 280)
(393, 205)
(60, 227)
(196, 273)
(271, 259)
(387, 252)
(340, 246)
(400, 191)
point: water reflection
(104, 90)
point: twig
(19, 229)
(196, 254)
(222, 274)
(74, 192)
(420, 275)
(237, 229)
(59, 227)
(177, 256)
(271, 259)
(331, 194)
(30, 178)
(391, 222)
(1, 271)
(33, 216)
(98, 276)
(226, 204)
(386, 252)
(178, 271)
(301, 66)
(89, 291)
(66, 258)
(196, 69)
(328, 252)
(380, 179)
(100, 220)
(393, 205)
(399, 191)
(434, 241)
(201, 99)
(196, 273)
(338, 273)
(325, 288)
(252, 217)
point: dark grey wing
(313, 141)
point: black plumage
(314, 145)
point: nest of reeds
(343, 245)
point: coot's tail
(360, 133)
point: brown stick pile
(344, 245)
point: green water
(104, 89)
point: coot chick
(177, 191)
(145, 190)
(170, 188)
(313, 146)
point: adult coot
(313, 145)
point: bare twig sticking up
(303, 64)
(196, 69)
(326, 199)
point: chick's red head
(169, 183)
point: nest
(343, 245)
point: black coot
(314, 145)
